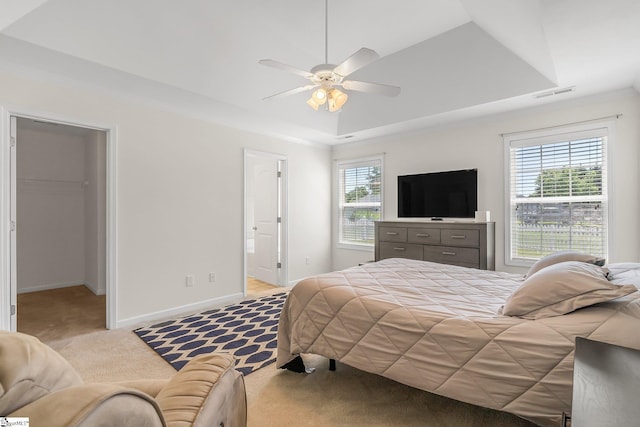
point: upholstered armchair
(36, 382)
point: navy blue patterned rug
(248, 330)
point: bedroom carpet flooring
(61, 313)
(346, 397)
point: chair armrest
(90, 405)
(150, 386)
(207, 391)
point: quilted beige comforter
(435, 327)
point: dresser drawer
(393, 234)
(423, 235)
(468, 257)
(400, 250)
(460, 238)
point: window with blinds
(359, 200)
(557, 194)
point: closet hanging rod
(57, 181)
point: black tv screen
(450, 194)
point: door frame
(283, 274)
(8, 286)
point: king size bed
(441, 328)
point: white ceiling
(453, 59)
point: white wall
(95, 212)
(479, 145)
(61, 207)
(179, 196)
(50, 211)
(179, 187)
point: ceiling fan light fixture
(324, 77)
(319, 96)
(336, 99)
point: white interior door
(265, 173)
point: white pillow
(625, 272)
(562, 256)
(562, 288)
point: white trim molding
(183, 310)
(283, 275)
(7, 321)
(5, 245)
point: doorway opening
(265, 224)
(59, 242)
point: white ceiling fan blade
(376, 88)
(356, 61)
(290, 92)
(285, 67)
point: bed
(436, 327)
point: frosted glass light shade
(336, 99)
(319, 96)
(312, 103)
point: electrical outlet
(307, 260)
(212, 277)
(188, 282)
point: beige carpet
(59, 313)
(346, 397)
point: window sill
(355, 247)
(518, 262)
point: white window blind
(359, 200)
(558, 194)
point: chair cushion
(30, 370)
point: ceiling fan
(326, 78)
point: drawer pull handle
(423, 235)
(392, 233)
(400, 249)
(458, 237)
(449, 253)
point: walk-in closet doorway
(59, 238)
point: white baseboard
(47, 286)
(96, 291)
(171, 313)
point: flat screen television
(450, 194)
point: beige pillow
(563, 256)
(562, 288)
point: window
(359, 201)
(557, 193)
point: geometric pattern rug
(247, 329)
